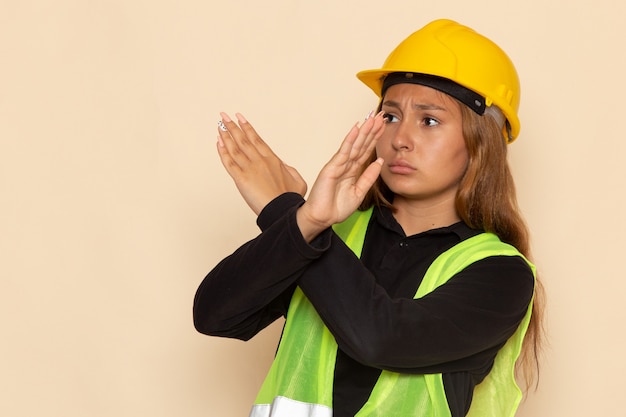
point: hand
(260, 176)
(343, 183)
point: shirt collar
(384, 216)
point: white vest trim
(286, 407)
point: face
(423, 145)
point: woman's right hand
(259, 174)
(342, 183)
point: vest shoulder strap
(352, 230)
(461, 255)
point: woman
(403, 276)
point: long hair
(486, 200)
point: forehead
(416, 94)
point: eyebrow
(419, 106)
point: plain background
(114, 204)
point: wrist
(277, 208)
(309, 227)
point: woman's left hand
(259, 174)
(344, 181)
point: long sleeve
(458, 327)
(252, 287)
(368, 304)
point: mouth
(401, 167)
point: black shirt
(368, 304)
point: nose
(402, 138)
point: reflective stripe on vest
(282, 406)
(300, 380)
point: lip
(401, 167)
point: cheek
(448, 158)
(460, 160)
(390, 132)
(459, 154)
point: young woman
(404, 277)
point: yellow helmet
(455, 59)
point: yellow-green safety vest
(300, 380)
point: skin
(425, 155)
(261, 176)
(421, 157)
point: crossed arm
(242, 301)
(260, 175)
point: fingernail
(225, 117)
(240, 118)
(222, 127)
(369, 114)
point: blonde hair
(486, 200)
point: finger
(220, 142)
(352, 154)
(240, 142)
(230, 148)
(343, 153)
(230, 137)
(367, 133)
(360, 138)
(366, 140)
(376, 132)
(233, 168)
(244, 145)
(246, 139)
(253, 137)
(372, 129)
(368, 177)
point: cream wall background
(114, 204)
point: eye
(390, 118)
(430, 122)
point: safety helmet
(455, 59)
